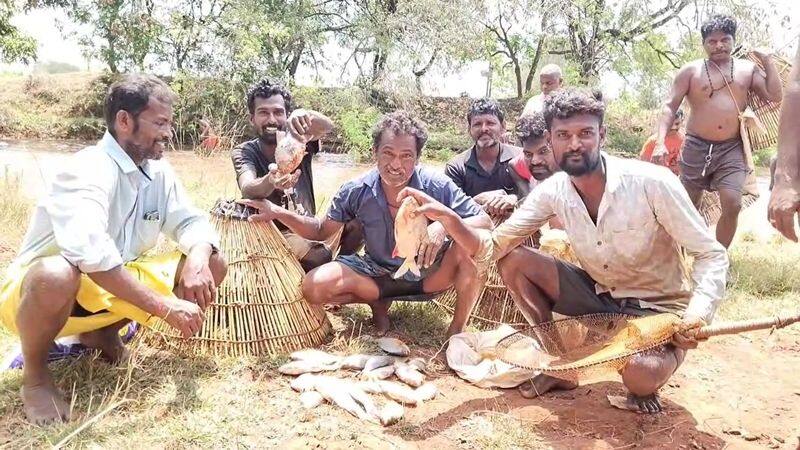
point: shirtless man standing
(717, 89)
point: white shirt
(534, 104)
(102, 210)
(633, 251)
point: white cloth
(534, 105)
(473, 357)
(102, 210)
(633, 251)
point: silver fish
(336, 392)
(391, 413)
(426, 392)
(318, 356)
(304, 382)
(301, 367)
(398, 392)
(311, 399)
(408, 375)
(393, 346)
(381, 373)
(418, 363)
(377, 361)
(355, 362)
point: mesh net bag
(597, 346)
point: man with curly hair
(372, 201)
(272, 116)
(483, 171)
(717, 88)
(626, 221)
(536, 162)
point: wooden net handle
(747, 325)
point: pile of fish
(373, 373)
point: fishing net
(259, 309)
(595, 347)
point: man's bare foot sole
(648, 404)
(108, 341)
(542, 383)
(43, 404)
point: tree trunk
(537, 56)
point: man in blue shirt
(371, 199)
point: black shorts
(577, 295)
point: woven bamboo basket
(259, 308)
(495, 306)
(768, 112)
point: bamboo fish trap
(259, 308)
(495, 306)
(594, 347)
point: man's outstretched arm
(784, 201)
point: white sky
(42, 25)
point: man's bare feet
(108, 341)
(542, 383)
(44, 404)
(380, 316)
(648, 404)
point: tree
(517, 32)
(14, 45)
(188, 28)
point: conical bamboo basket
(259, 309)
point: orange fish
(409, 232)
(289, 153)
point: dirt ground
(737, 392)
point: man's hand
(429, 207)
(300, 123)
(266, 209)
(763, 54)
(685, 337)
(784, 204)
(500, 205)
(183, 315)
(430, 247)
(659, 154)
(196, 283)
(282, 182)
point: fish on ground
(319, 356)
(300, 367)
(408, 375)
(393, 346)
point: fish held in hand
(289, 153)
(393, 346)
(410, 230)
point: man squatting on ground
(80, 270)
(397, 143)
(626, 220)
(483, 171)
(717, 89)
(269, 105)
(784, 202)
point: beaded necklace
(708, 74)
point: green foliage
(762, 158)
(52, 67)
(356, 125)
(627, 125)
(14, 45)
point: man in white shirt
(81, 269)
(626, 221)
(550, 80)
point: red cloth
(673, 142)
(520, 166)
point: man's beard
(540, 175)
(269, 136)
(586, 165)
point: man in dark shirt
(483, 171)
(269, 106)
(372, 200)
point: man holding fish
(627, 221)
(404, 255)
(259, 176)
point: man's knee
(316, 256)
(730, 201)
(645, 374)
(51, 283)
(219, 267)
(314, 287)
(508, 264)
